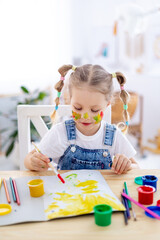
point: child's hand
(121, 164)
(38, 161)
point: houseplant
(11, 133)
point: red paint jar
(158, 203)
(145, 195)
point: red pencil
(16, 191)
(6, 190)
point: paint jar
(102, 214)
(5, 209)
(150, 180)
(36, 187)
(158, 203)
(145, 195)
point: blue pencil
(12, 189)
(124, 212)
(126, 206)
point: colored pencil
(50, 164)
(124, 212)
(126, 206)
(16, 191)
(126, 189)
(141, 206)
(12, 189)
(6, 190)
(129, 202)
(0, 182)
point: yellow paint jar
(36, 187)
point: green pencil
(125, 186)
(129, 202)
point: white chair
(34, 113)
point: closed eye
(94, 111)
(78, 108)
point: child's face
(87, 104)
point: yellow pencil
(0, 182)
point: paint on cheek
(85, 115)
(98, 117)
(75, 115)
(101, 114)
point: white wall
(38, 36)
(34, 41)
(93, 20)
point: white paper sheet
(82, 190)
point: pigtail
(59, 85)
(124, 96)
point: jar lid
(5, 209)
(138, 180)
(155, 209)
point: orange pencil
(6, 190)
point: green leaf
(24, 89)
(10, 148)
(14, 134)
(42, 95)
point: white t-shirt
(55, 142)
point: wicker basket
(117, 107)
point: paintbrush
(50, 164)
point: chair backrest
(34, 113)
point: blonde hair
(98, 79)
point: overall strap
(109, 134)
(71, 129)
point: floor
(150, 161)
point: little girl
(86, 141)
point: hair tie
(122, 87)
(74, 68)
(58, 94)
(62, 78)
(127, 123)
(114, 75)
(56, 107)
(125, 107)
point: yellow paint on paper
(66, 204)
(78, 204)
(88, 182)
(51, 207)
(89, 186)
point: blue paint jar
(150, 180)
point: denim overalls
(75, 157)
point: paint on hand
(75, 115)
(85, 116)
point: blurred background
(38, 36)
